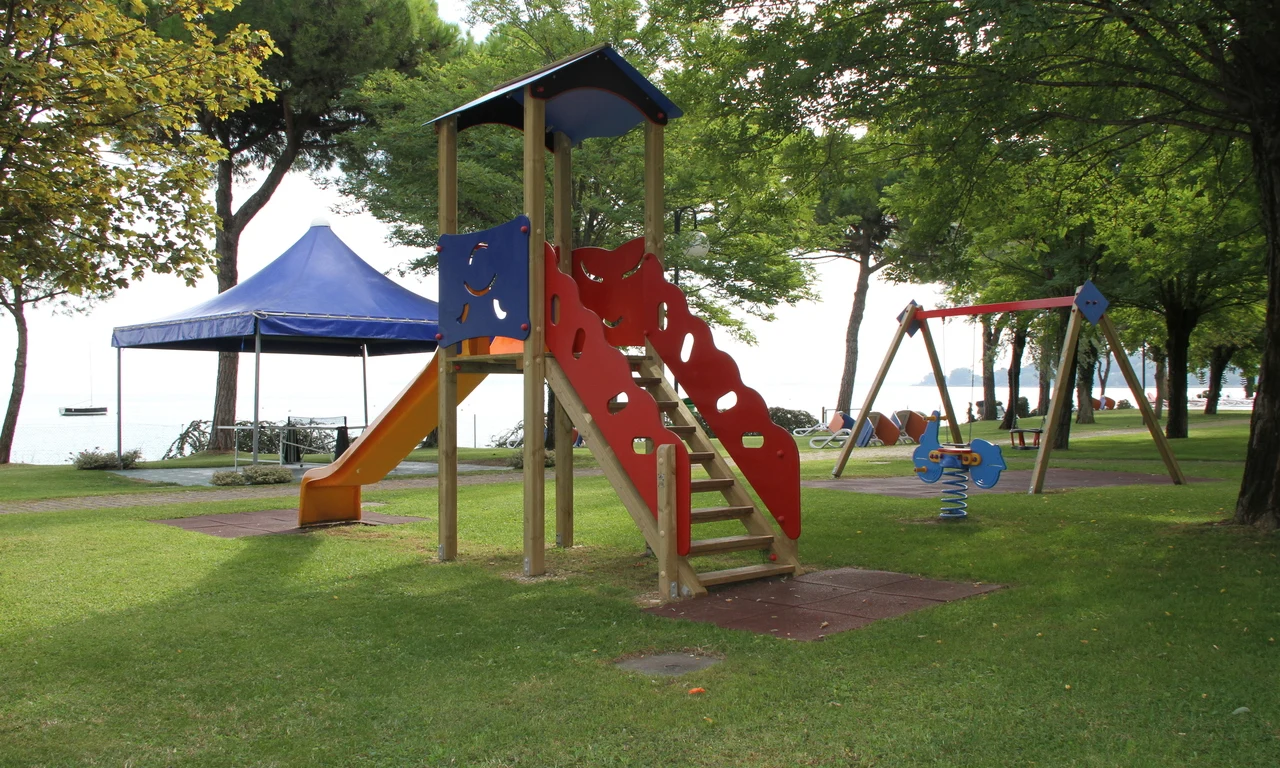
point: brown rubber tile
(236, 525)
(789, 592)
(853, 578)
(817, 604)
(873, 605)
(936, 590)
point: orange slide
(332, 493)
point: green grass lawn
(1133, 627)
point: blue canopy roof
(591, 94)
(317, 298)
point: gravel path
(120, 500)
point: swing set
(1088, 304)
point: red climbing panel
(730, 407)
(610, 288)
(600, 373)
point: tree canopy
(100, 179)
(738, 200)
(1008, 71)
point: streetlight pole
(696, 249)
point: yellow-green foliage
(101, 178)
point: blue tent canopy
(590, 94)
(317, 298)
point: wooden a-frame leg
(1060, 397)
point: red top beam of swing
(1004, 306)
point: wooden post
(447, 400)
(535, 180)
(1061, 395)
(948, 409)
(907, 315)
(1140, 394)
(668, 578)
(654, 170)
(562, 235)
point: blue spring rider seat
(978, 460)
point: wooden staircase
(720, 490)
(734, 502)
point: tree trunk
(1259, 500)
(990, 343)
(1086, 360)
(227, 247)
(1046, 383)
(1179, 324)
(1160, 359)
(1103, 375)
(19, 380)
(1250, 386)
(844, 401)
(1062, 431)
(1017, 346)
(1219, 359)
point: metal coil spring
(954, 498)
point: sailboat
(85, 410)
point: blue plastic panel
(484, 283)
(1092, 304)
(987, 472)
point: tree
(324, 50)
(1219, 340)
(1183, 231)
(851, 223)
(1010, 69)
(100, 182)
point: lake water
(153, 421)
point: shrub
(1024, 407)
(1125, 405)
(228, 478)
(791, 420)
(100, 459)
(261, 474)
(516, 460)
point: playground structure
(1088, 304)
(600, 327)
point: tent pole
(119, 415)
(364, 377)
(257, 378)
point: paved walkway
(162, 498)
(204, 475)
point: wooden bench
(1018, 439)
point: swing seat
(1018, 439)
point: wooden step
(664, 406)
(745, 573)
(683, 430)
(702, 457)
(718, 514)
(710, 484)
(647, 381)
(740, 543)
(635, 361)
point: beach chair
(886, 431)
(914, 424)
(838, 430)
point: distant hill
(961, 377)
